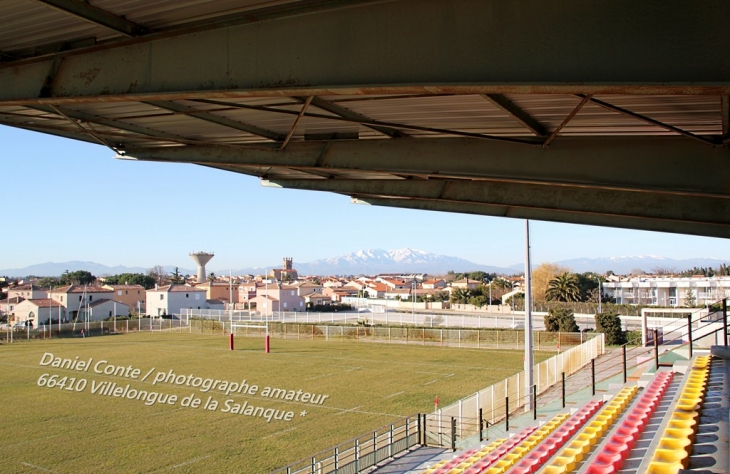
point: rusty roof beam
(725, 111)
(527, 121)
(347, 113)
(218, 119)
(97, 16)
(646, 119)
(366, 122)
(567, 119)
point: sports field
(309, 395)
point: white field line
(394, 394)
(166, 412)
(279, 433)
(36, 467)
(432, 381)
(188, 462)
(320, 376)
(29, 441)
(348, 411)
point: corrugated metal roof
(28, 24)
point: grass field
(69, 429)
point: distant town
(34, 301)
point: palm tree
(461, 295)
(563, 287)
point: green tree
(176, 277)
(80, 277)
(211, 277)
(563, 287)
(47, 282)
(610, 324)
(461, 296)
(147, 281)
(478, 301)
(689, 299)
(560, 320)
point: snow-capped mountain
(648, 263)
(392, 261)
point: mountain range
(406, 260)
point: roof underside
(606, 114)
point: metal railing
(363, 452)
(92, 329)
(491, 404)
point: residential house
(100, 310)
(307, 287)
(77, 297)
(170, 299)
(395, 283)
(668, 291)
(376, 290)
(219, 291)
(398, 294)
(28, 292)
(39, 311)
(466, 283)
(336, 294)
(281, 298)
(131, 295)
(7, 306)
(316, 299)
(434, 284)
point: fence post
(563, 389)
(453, 433)
(689, 333)
(656, 348)
(593, 376)
(337, 458)
(390, 442)
(724, 320)
(506, 413)
(624, 357)
(314, 464)
(534, 402)
(357, 455)
(481, 426)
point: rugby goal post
(253, 324)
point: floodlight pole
(528, 321)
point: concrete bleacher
(662, 420)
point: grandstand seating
(572, 437)
(612, 456)
(581, 444)
(500, 446)
(675, 445)
(545, 450)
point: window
(119, 293)
(197, 297)
(126, 292)
(187, 295)
(162, 297)
(292, 293)
(79, 297)
(285, 304)
(91, 297)
(301, 303)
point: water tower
(201, 258)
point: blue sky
(68, 200)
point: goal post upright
(264, 326)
